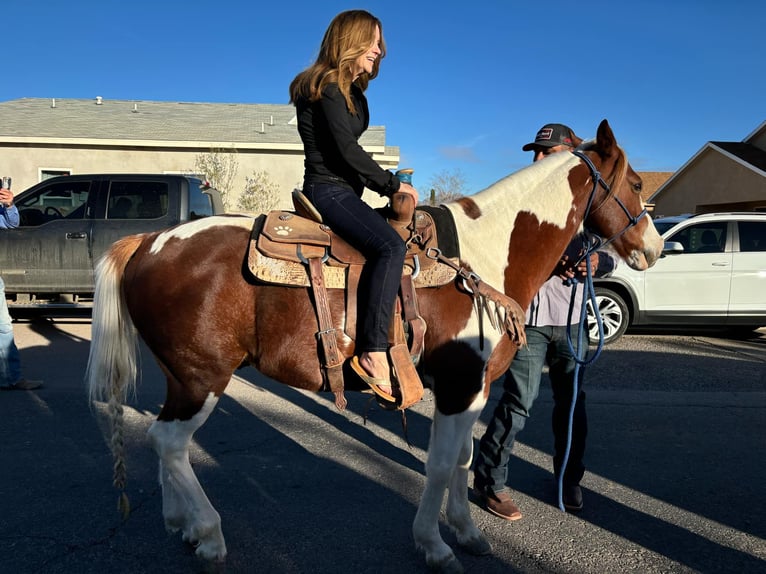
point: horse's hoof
(449, 565)
(476, 546)
(211, 551)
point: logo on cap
(545, 134)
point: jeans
(366, 230)
(521, 386)
(10, 362)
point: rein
(592, 243)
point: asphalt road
(675, 478)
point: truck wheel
(614, 316)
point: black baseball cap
(551, 135)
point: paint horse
(202, 315)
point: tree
(261, 194)
(446, 186)
(219, 166)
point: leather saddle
(297, 248)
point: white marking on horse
(191, 228)
(542, 189)
(472, 334)
(185, 505)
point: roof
(100, 118)
(746, 152)
(651, 181)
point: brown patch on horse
(499, 361)
(524, 275)
(469, 207)
(449, 362)
(223, 310)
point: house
(722, 176)
(651, 182)
(41, 138)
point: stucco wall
(24, 165)
(713, 178)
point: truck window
(63, 200)
(137, 200)
(199, 202)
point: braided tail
(111, 370)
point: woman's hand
(409, 190)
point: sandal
(373, 382)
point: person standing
(546, 330)
(332, 114)
(10, 362)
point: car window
(200, 204)
(707, 237)
(137, 200)
(62, 200)
(663, 226)
(752, 236)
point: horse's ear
(576, 140)
(605, 141)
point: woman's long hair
(349, 35)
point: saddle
(296, 248)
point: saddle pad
(283, 272)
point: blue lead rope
(580, 353)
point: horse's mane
(541, 188)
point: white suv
(712, 272)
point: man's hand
(6, 197)
(566, 270)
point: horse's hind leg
(184, 504)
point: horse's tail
(111, 370)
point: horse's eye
(637, 187)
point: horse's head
(615, 207)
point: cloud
(462, 153)
(465, 152)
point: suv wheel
(615, 316)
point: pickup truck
(68, 222)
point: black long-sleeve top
(330, 135)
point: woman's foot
(373, 369)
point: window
(709, 237)
(49, 173)
(137, 200)
(752, 236)
(201, 205)
(63, 200)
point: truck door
(50, 250)
(132, 205)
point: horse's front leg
(458, 510)
(449, 447)
(185, 505)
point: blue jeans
(366, 230)
(10, 363)
(521, 386)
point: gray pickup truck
(68, 222)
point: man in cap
(552, 138)
(546, 327)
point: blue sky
(464, 85)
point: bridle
(595, 175)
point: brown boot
(500, 504)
